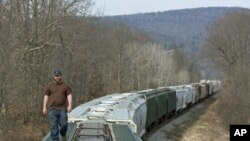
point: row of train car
(129, 116)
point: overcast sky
(121, 7)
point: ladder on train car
(92, 132)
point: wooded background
(99, 58)
(96, 59)
(228, 46)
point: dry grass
(205, 125)
(207, 128)
(17, 130)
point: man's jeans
(58, 118)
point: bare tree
(33, 34)
(228, 47)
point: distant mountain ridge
(185, 28)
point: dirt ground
(200, 123)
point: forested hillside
(186, 28)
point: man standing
(57, 102)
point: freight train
(129, 116)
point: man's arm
(45, 102)
(69, 97)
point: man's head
(57, 75)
